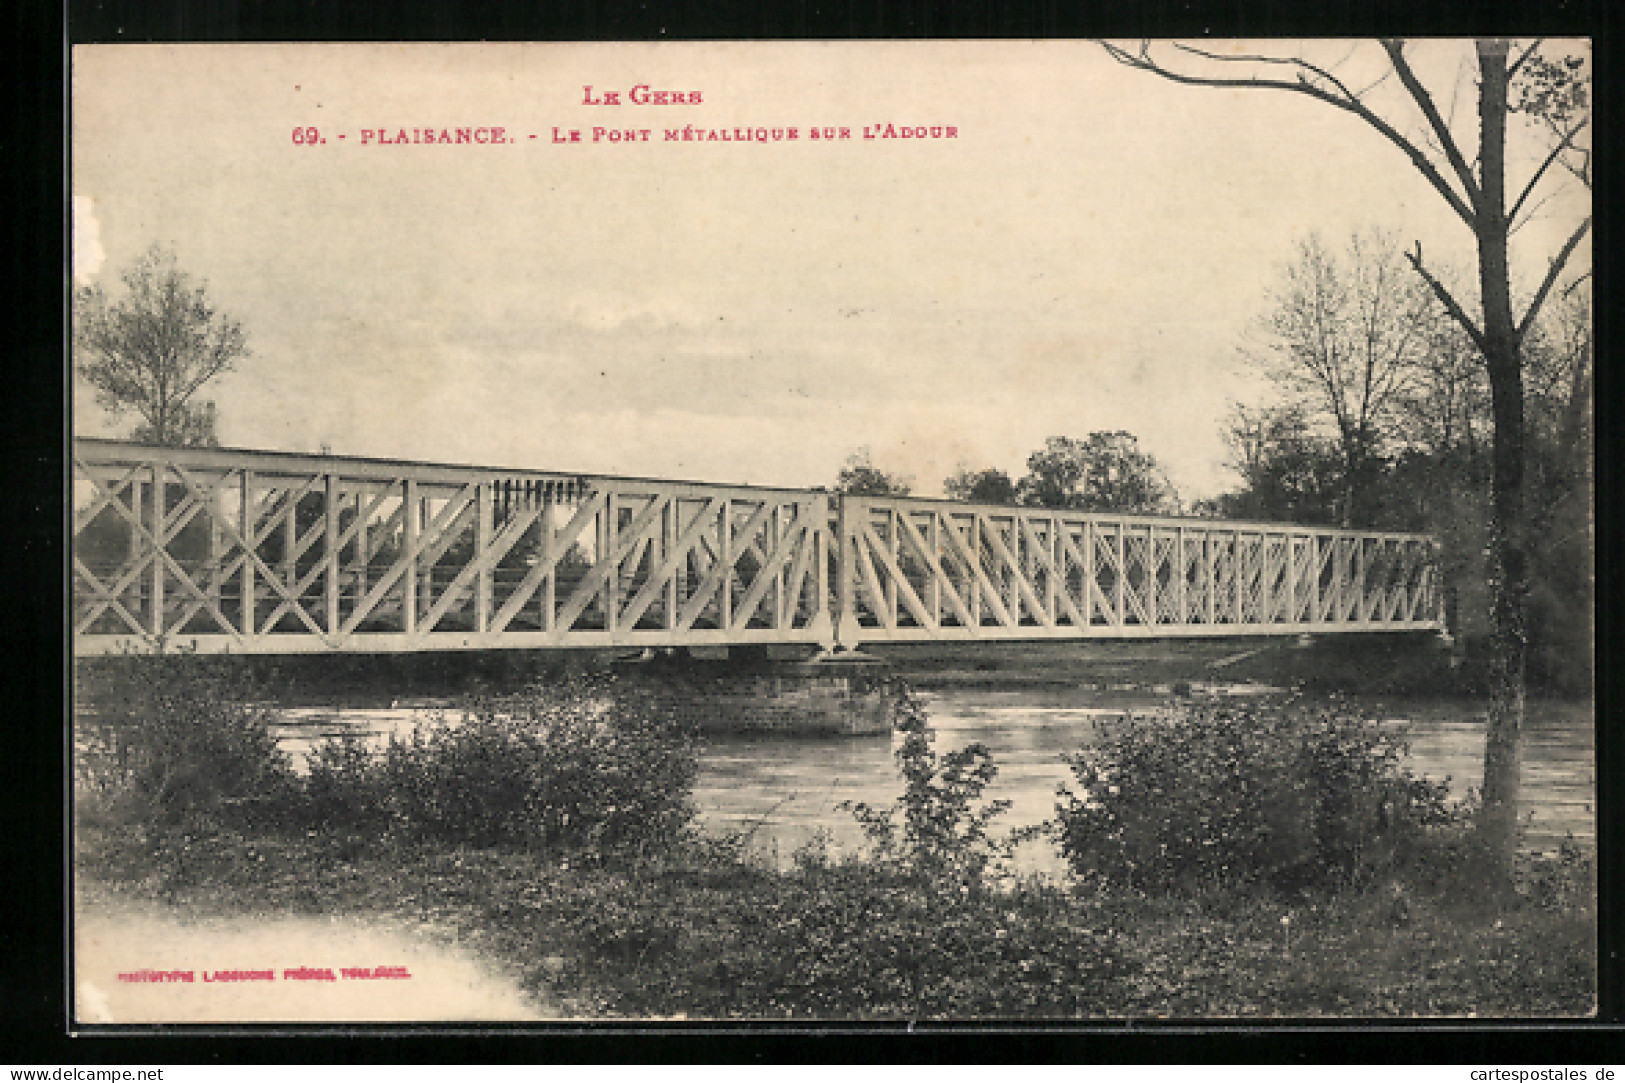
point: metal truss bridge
(265, 552)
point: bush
(704, 932)
(344, 788)
(933, 830)
(1564, 880)
(1219, 793)
(851, 940)
(566, 765)
(171, 739)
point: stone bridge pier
(746, 690)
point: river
(786, 791)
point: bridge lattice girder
(268, 552)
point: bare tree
(1561, 375)
(1251, 433)
(1347, 335)
(1475, 183)
(152, 351)
(1446, 409)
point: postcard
(832, 531)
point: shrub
(172, 738)
(850, 940)
(1566, 879)
(344, 787)
(1216, 792)
(557, 765)
(933, 829)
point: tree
(1347, 336)
(1553, 95)
(1287, 472)
(1561, 456)
(989, 486)
(1560, 363)
(1105, 471)
(860, 477)
(1446, 408)
(154, 350)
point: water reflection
(787, 792)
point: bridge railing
(270, 552)
(932, 570)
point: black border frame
(32, 944)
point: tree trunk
(1509, 585)
(1346, 520)
(1509, 589)
(1351, 461)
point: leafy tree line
(1384, 421)
(1104, 471)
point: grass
(703, 933)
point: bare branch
(1525, 55)
(1514, 227)
(1562, 145)
(1578, 281)
(1445, 298)
(1374, 84)
(1581, 172)
(1287, 61)
(1396, 55)
(1455, 92)
(1552, 272)
(1143, 61)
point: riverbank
(1223, 859)
(1350, 664)
(702, 934)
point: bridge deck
(268, 552)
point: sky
(1090, 250)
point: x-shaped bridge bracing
(268, 552)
